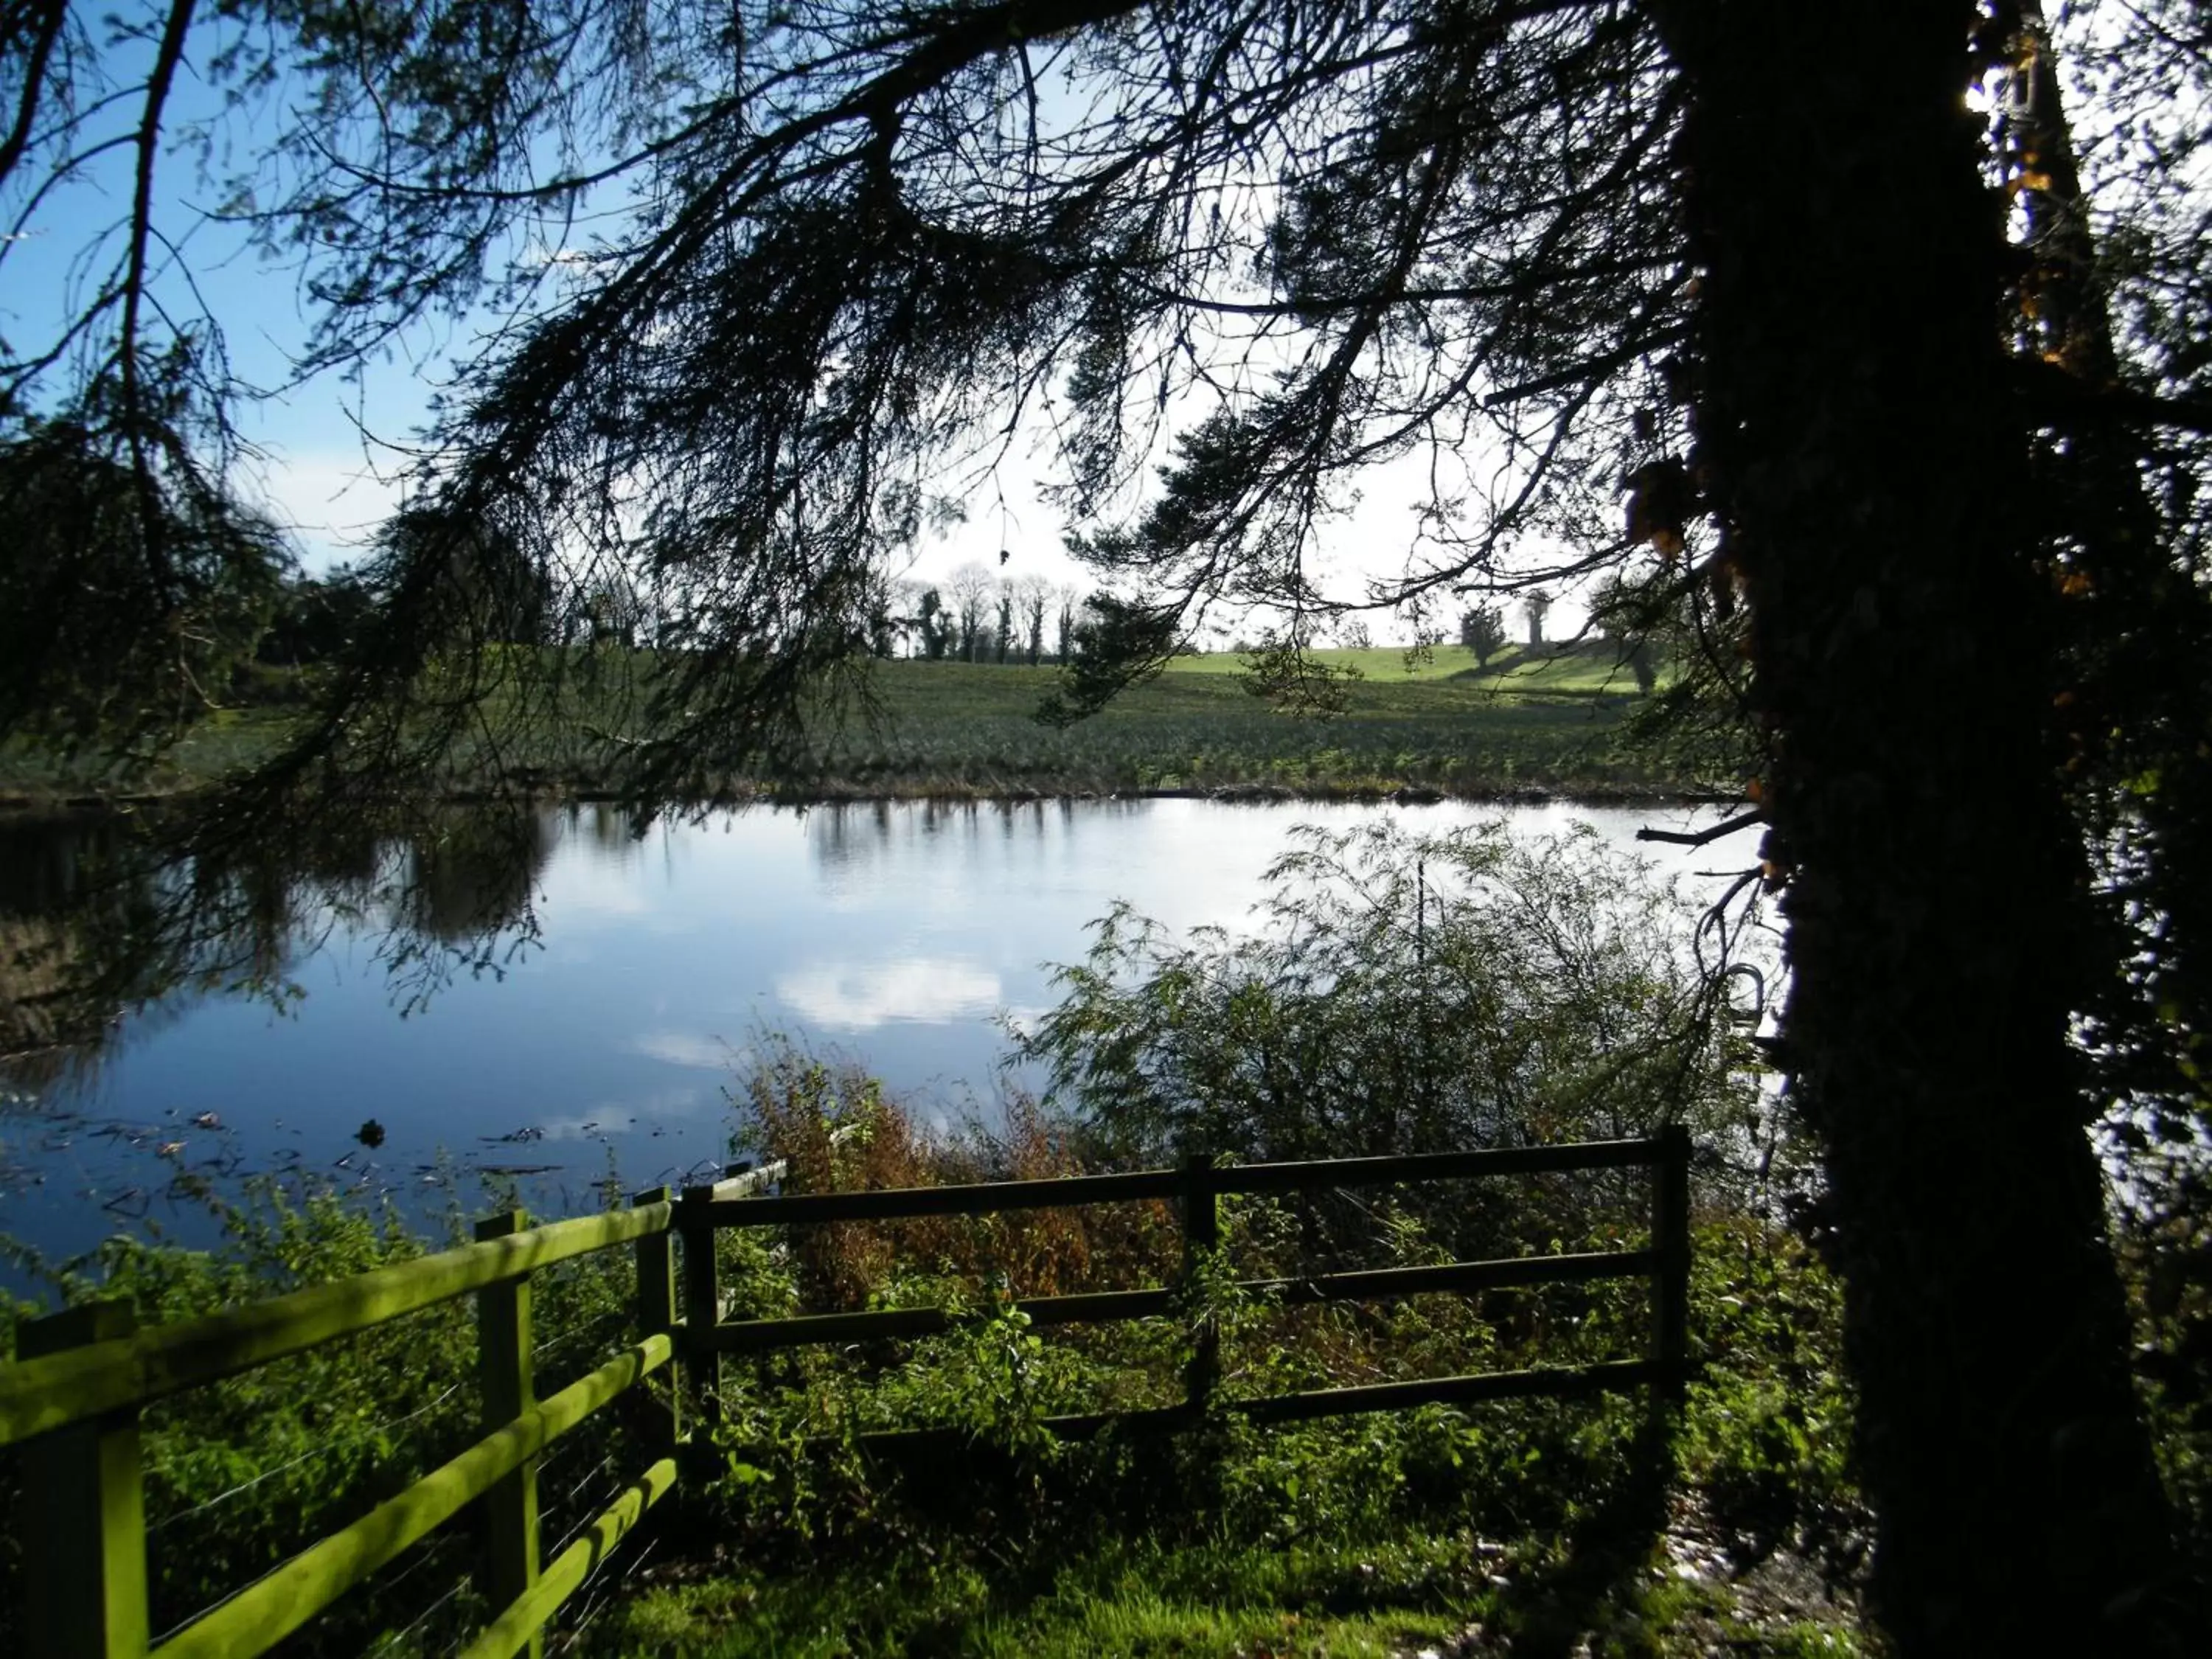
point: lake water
(899, 934)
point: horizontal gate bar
(1434, 1166)
(990, 1198)
(1563, 1381)
(762, 1335)
(1447, 1390)
(896, 1203)
(37, 1395)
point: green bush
(1405, 993)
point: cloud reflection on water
(703, 1053)
(862, 995)
(623, 1117)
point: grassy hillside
(1554, 719)
(1555, 722)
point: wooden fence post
(1201, 1236)
(1670, 1279)
(504, 1341)
(703, 1303)
(656, 1312)
(84, 1518)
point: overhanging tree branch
(1705, 837)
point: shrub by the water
(1402, 993)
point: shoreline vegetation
(1398, 1001)
(1533, 723)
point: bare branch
(1704, 837)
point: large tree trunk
(1856, 440)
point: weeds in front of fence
(1377, 1533)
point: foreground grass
(1385, 1599)
(1553, 722)
(1133, 1598)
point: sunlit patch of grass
(1120, 1597)
(1581, 667)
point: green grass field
(1553, 722)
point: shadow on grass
(1124, 1549)
(1604, 1557)
(1597, 1574)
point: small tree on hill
(1630, 618)
(1482, 630)
(971, 590)
(1032, 593)
(1071, 601)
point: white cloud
(861, 996)
(330, 500)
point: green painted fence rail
(1196, 1188)
(1094, 1307)
(73, 1395)
(272, 1607)
(74, 1390)
(126, 1371)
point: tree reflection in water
(109, 922)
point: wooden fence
(81, 1377)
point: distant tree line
(976, 615)
(304, 618)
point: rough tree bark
(1857, 442)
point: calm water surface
(898, 934)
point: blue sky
(332, 452)
(318, 471)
